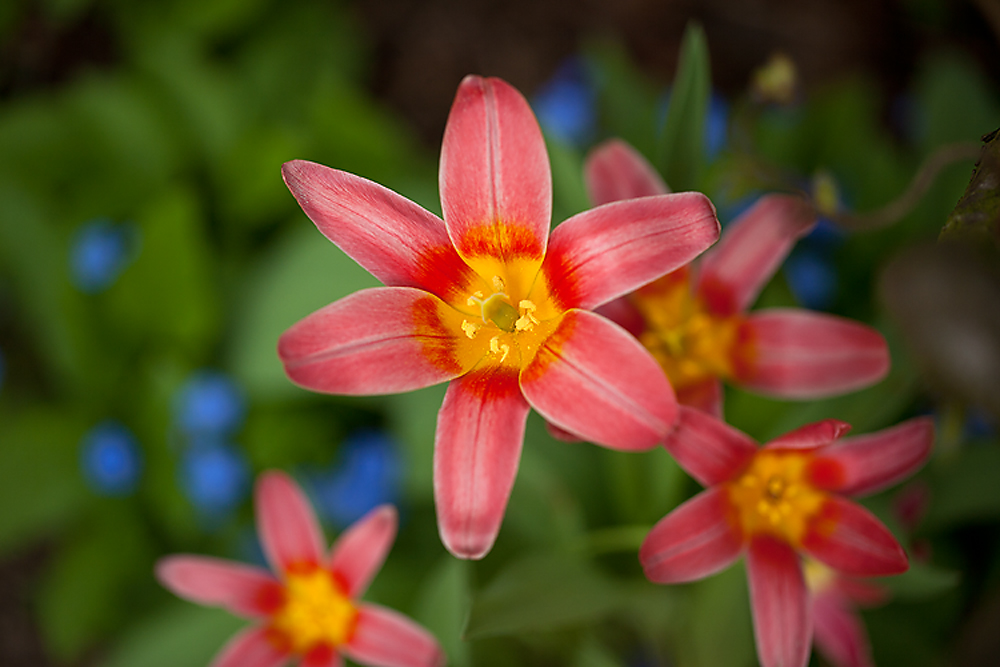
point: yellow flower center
(773, 496)
(316, 611)
(690, 343)
(818, 576)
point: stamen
(498, 284)
(476, 298)
(470, 328)
(527, 321)
(496, 348)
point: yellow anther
(498, 284)
(476, 298)
(775, 487)
(527, 321)
(470, 328)
(496, 348)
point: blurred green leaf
(629, 103)
(681, 148)
(569, 193)
(957, 102)
(81, 599)
(443, 607)
(593, 654)
(977, 215)
(181, 635)
(302, 273)
(40, 485)
(719, 630)
(541, 593)
(921, 581)
(168, 293)
(964, 487)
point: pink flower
(695, 321)
(489, 301)
(775, 503)
(839, 631)
(310, 609)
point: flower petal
(396, 240)
(623, 312)
(250, 648)
(707, 448)
(359, 552)
(706, 396)
(386, 638)
(613, 249)
(615, 171)
(782, 618)
(848, 538)
(322, 655)
(477, 450)
(796, 354)
(811, 436)
(287, 526)
(495, 181)
(870, 463)
(840, 633)
(242, 589)
(697, 539)
(382, 340)
(733, 273)
(593, 379)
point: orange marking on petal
(442, 272)
(718, 297)
(502, 241)
(437, 339)
(492, 382)
(825, 473)
(548, 349)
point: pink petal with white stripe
(387, 234)
(707, 448)
(782, 618)
(811, 436)
(289, 532)
(848, 538)
(250, 648)
(593, 379)
(494, 175)
(615, 171)
(797, 354)
(869, 463)
(733, 273)
(241, 589)
(358, 554)
(839, 632)
(386, 638)
(699, 538)
(477, 451)
(382, 340)
(611, 250)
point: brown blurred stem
(896, 209)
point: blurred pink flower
(488, 300)
(695, 322)
(310, 610)
(775, 503)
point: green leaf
(569, 193)
(977, 215)
(541, 593)
(443, 607)
(40, 486)
(964, 488)
(680, 150)
(719, 630)
(181, 635)
(303, 273)
(627, 100)
(922, 581)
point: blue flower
(111, 459)
(210, 403)
(716, 126)
(565, 104)
(368, 475)
(215, 477)
(812, 278)
(100, 252)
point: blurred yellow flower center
(774, 497)
(316, 611)
(691, 344)
(818, 576)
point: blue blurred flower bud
(215, 477)
(716, 126)
(812, 278)
(210, 403)
(565, 104)
(110, 459)
(367, 475)
(100, 252)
